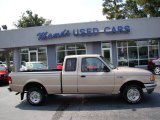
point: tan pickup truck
(83, 74)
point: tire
(132, 94)
(35, 96)
(157, 70)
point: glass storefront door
(33, 56)
(107, 54)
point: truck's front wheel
(157, 70)
(132, 94)
(35, 96)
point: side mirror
(106, 69)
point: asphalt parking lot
(80, 107)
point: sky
(59, 11)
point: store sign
(46, 35)
(83, 32)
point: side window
(71, 64)
(92, 65)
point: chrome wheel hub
(35, 97)
(157, 70)
(133, 95)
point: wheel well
(34, 85)
(131, 83)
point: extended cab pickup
(83, 74)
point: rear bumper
(150, 87)
(16, 88)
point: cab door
(94, 76)
(69, 76)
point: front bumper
(150, 87)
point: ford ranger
(91, 74)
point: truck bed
(50, 79)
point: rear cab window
(71, 64)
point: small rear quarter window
(71, 64)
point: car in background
(3, 74)
(154, 66)
(4, 63)
(30, 66)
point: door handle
(119, 76)
(83, 76)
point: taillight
(9, 79)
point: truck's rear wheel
(35, 96)
(132, 94)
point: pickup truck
(83, 74)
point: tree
(150, 7)
(118, 9)
(31, 20)
(132, 10)
(113, 9)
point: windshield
(36, 66)
(108, 63)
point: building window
(42, 54)
(69, 49)
(106, 45)
(25, 55)
(34, 54)
(136, 52)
